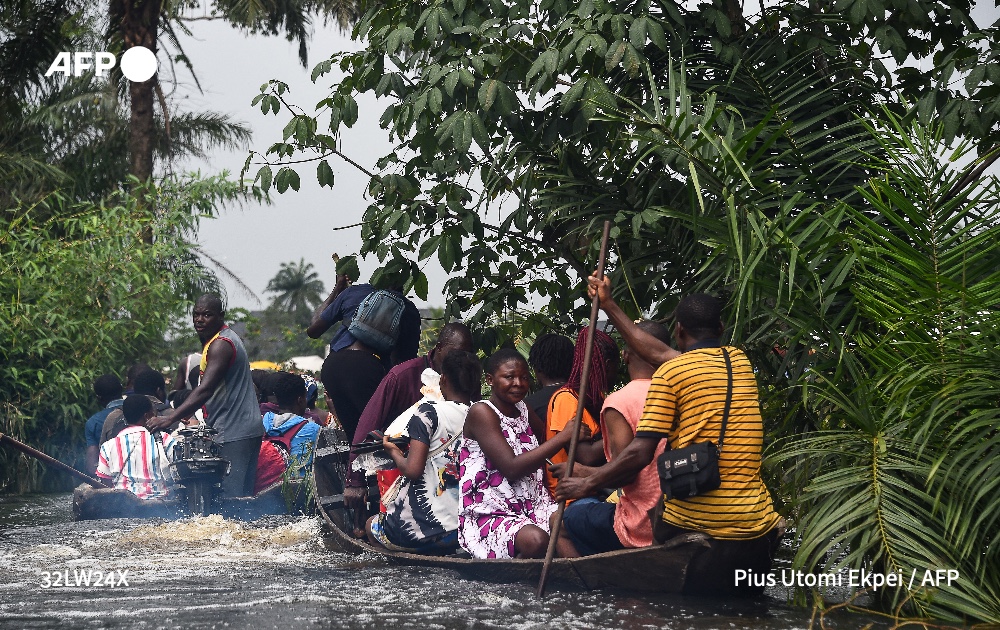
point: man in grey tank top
(227, 394)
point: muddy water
(276, 573)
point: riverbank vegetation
(95, 263)
(822, 165)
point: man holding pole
(685, 405)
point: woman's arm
(483, 426)
(412, 464)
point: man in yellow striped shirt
(685, 405)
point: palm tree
(142, 22)
(297, 288)
(73, 133)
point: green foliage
(903, 475)
(731, 155)
(493, 105)
(81, 296)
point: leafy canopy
(506, 158)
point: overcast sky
(253, 241)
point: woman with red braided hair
(604, 361)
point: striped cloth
(690, 391)
(134, 461)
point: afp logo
(138, 63)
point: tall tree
(72, 133)
(142, 22)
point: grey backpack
(376, 323)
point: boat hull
(99, 503)
(691, 563)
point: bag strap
(285, 438)
(444, 446)
(729, 400)
(729, 395)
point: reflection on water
(276, 573)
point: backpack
(376, 322)
(274, 457)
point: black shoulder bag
(694, 470)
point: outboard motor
(199, 467)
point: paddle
(584, 376)
(51, 461)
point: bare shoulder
(480, 417)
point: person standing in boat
(551, 358)
(505, 505)
(353, 370)
(137, 460)
(226, 391)
(422, 508)
(591, 526)
(395, 394)
(685, 404)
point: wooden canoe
(280, 498)
(691, 564)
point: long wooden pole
(580, 403)
(51, 461)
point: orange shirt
(561, 411)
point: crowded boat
(453, 454)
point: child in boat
(505, 506)
(604, 361)
(422, 509)
(289, 437)
(137, 460)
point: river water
(277, 573)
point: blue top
(342, 310)
(96, 422)
(276, 425)
(345, 306)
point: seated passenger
(137, 460)
(422, 510)
(591, 526)
(551, 357)
(563, 404)
(108, 390)
(148, 383)
(289, 437)
(505, 505)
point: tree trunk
(734, 11)
(138, 22)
